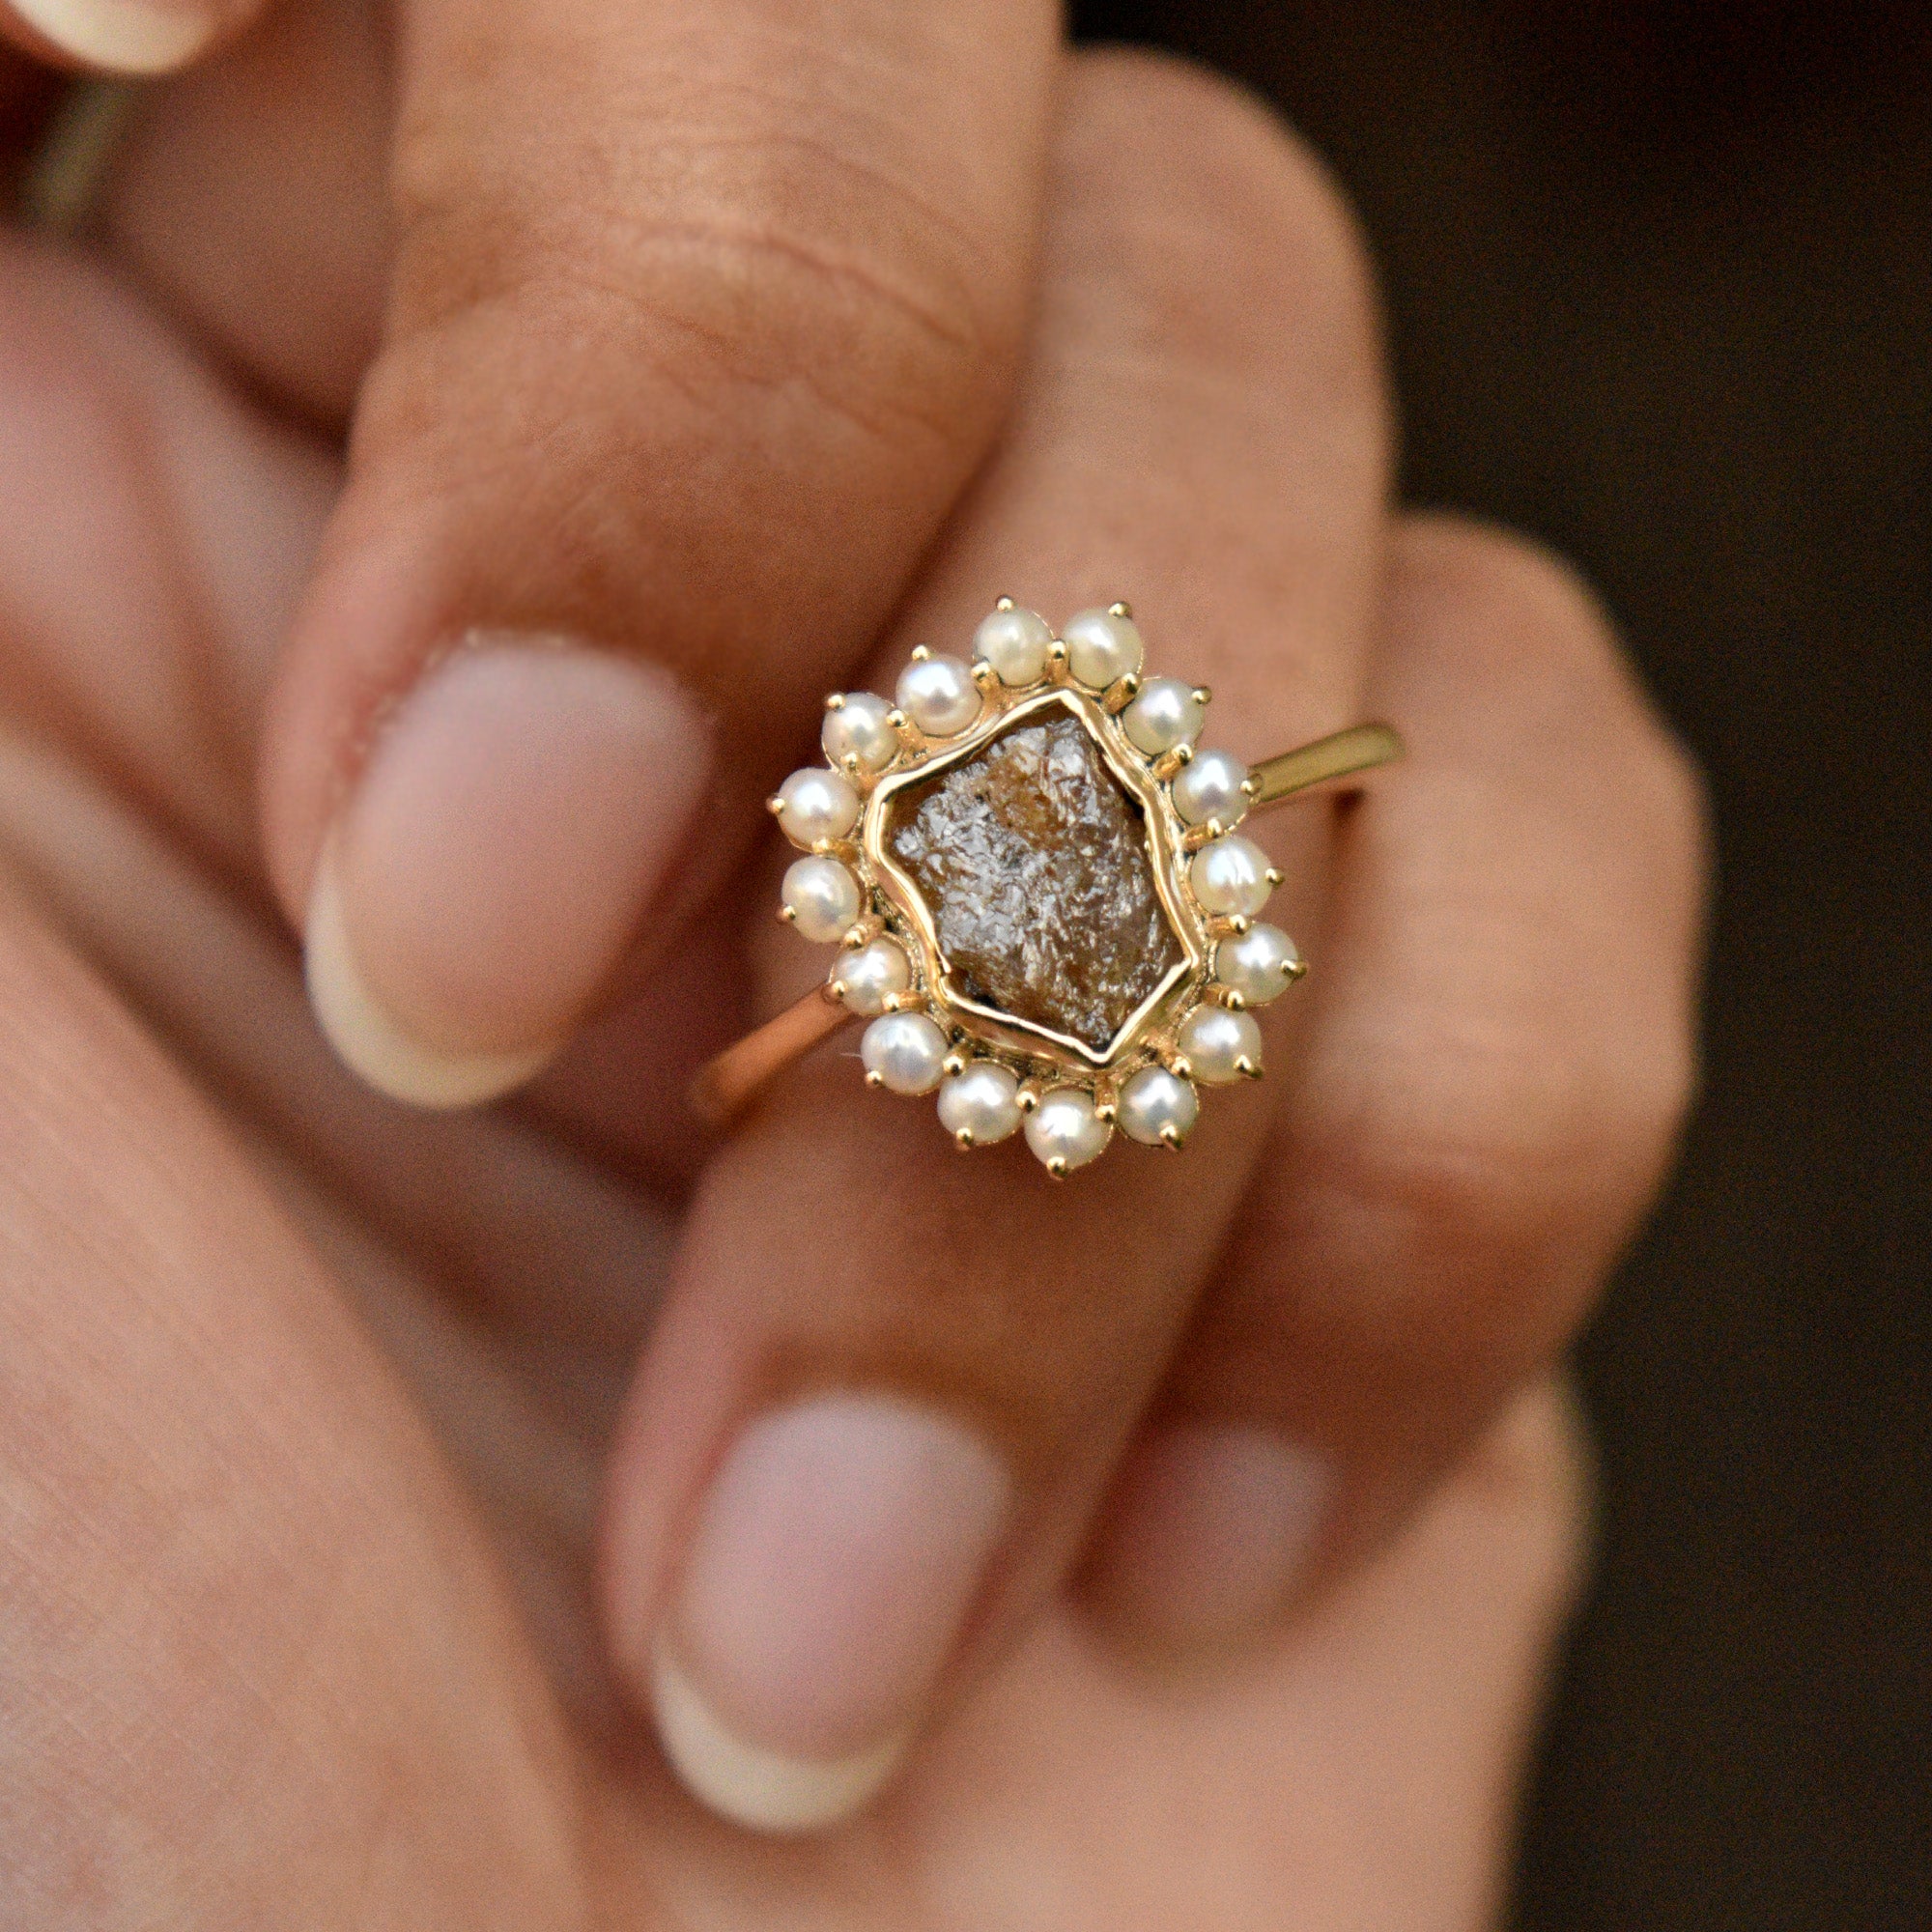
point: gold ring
(1040, 899)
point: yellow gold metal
(1359, 749)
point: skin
(349, 1454)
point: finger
(890, 1383)
(702, 316)
(132, 37)
(1359, 1769)
(1499, 1052)
(248, 1631)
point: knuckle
(1173, 164)
(764, 270)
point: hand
(289, 1619)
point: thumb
(703, 314)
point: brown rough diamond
(1033, 864)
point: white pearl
(1167, 712)
(867, 977)
(1065, 1128)
(981, 1104)
(906, 1051)
(1210, 787)
(816, 804)
(860, 726)
(1014, 642)
(939, 696)
(822, 897)
(1102, 648)
(1230, 876)
(1258, 964)
(1158, 1108)
(1217, 1042)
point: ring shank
(730, 1080)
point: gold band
(730, 1081)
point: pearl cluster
(986, 1089)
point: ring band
(1041, 902)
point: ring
(1040, 899)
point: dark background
(1659, 287)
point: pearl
(1014, 642)
(1102, 648)
(1167, 712)
(822, 898)
(939, 696)
(1065, 1131)
(815, 805)
(1158, 1108)
(981, 1105)
(1231, 875)
(865, 979)
(1210, 787)
(1258, 964)
(1221, 1045)
(904, 1051)
(859, 725)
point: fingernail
(1212, 1530)
(514, 818)
(122, 36)
(835, 1561)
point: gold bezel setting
(993, 1070)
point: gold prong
(1170, 1137)
(1246, 1067)
(836, 989)
(1273, 875)
(1203, 695)
(1179, 1066)
(921, 652)
(1055, 661)
(1057, 1167)
(1003, 603)
(849, 765)
(788, 914)
(1251, 787)
(963, 1140)
(1296, 969)
(834, 848)
(1121, 610)
(984, 675)
(775, 806)
(954, 1065)
(1108, 1111)
(874, 1079)
(1238, 922)
(1230, 999)
(1029, 1099)
(1121, 693)
(836, 703)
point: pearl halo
(992, 1075)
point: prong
(1121, 693)
(1179, 1066)
(849, 765)
(788, 914)
(836, 703)
(1121, 610)
(1056, 660)
(835, 988)
(874, 1079)
(1057, 1167)
(921, 652)
(1273, 875)
(1246, 1067)
(1296, 969)
(1203, 695)
(1230, 999)
(1238, 922)
(954, 1065)
(1029, 1099)
(1107, 1111)
(1251, 787)
(963, 1140)
(775, 806)
(984, 675)
(1169, 1138)
(1003, 603)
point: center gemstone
(1034, 864)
